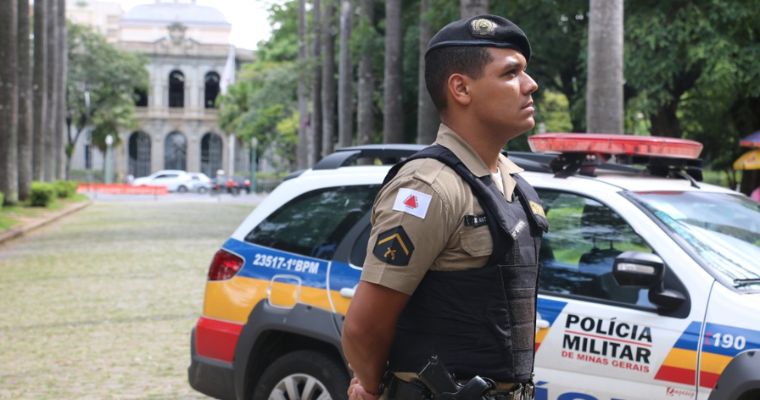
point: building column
(193, 152)
(230, 168)
(157, 152)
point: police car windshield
(723, 230)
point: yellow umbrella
(748, 160)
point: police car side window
(578, 252)
(314, 223)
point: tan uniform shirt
(436, 236)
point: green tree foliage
(693, 68)
(690, 68)
(110, 77)
(262, 104)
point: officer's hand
(357, 392)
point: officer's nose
(529, 85)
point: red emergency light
(614, 144)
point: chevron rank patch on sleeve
(394, 247)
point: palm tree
(365, 115)
(8, 101)
(316, 91)
(393, 118)
(60, 122)
(427, 116)
(302, 152)
(52, 72)
(604, 89)
(328, 76)
(345, 77)
(470, 8)
(39, 89)
(24, 102)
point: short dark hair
(442, 62)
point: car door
(297, 243)
(596, 339)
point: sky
(247, 17)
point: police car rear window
(314, 223)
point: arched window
(175, 151)
(176, 89)
(211, 154)
(139, 154)
(141, 97)
(211, 89)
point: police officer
(452, 260)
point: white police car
(649, 288)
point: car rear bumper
(211, 377)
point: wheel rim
(301, 387)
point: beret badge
(483, 27)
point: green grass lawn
(11, 216)
(100, 304)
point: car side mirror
(646, 270)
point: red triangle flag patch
(411, 201)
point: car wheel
(202, 190)
(182, 189)
(303, 375)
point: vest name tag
(475, 220)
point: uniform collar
(452, 141)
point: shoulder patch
(394, 247)
(412, 202)
(537, 209)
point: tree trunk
(665, 120)
(302, 151)
(316, 94)
(8, 101)
(51, 47)
(393, 118)
(471, 8)
(39, 89)
(345, 77)
(24, 102)
(427, 115)
(604, 93)
(61, 156)
(365, 115)
(328, 77)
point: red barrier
(121, 188)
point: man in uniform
(452, 260)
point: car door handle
(348, 292)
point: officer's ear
(458, 88)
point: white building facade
(187, 47)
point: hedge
(42, 194)
(65, 189)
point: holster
(397, 389)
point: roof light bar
(614, 144)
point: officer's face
(502, 96)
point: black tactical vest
(478, 321)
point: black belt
(398, 389)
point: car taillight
(224, 266)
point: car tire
(310, 373)
(182, 189)
(202, 190)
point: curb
(23, 230)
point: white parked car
(649, 285)
(175, 180)
(200, 182)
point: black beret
(484, 31)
